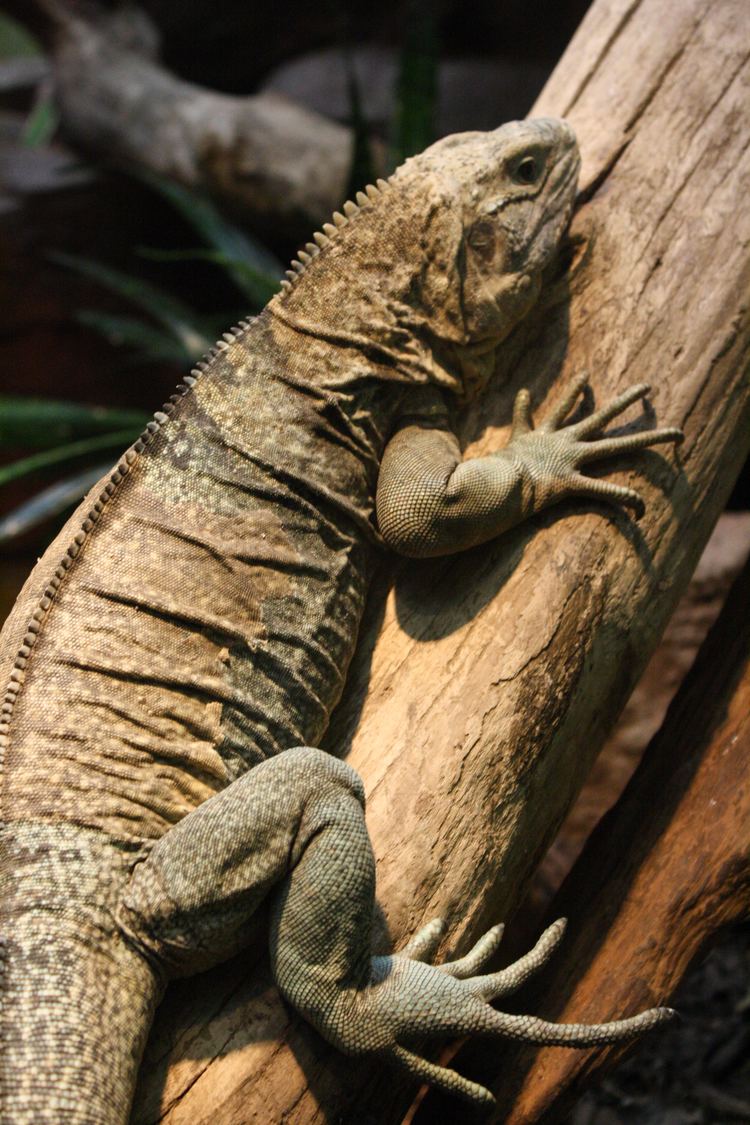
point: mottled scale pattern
(208, 627)
(77, 1002)
(175, 655)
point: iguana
(173, 659)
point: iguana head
(436, 266)
(507, 196)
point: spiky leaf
(41, 423)
(49, 502)
(149, 342)
(118, 439)
(258, 287)
(236, 245)
(416, 90)
(177, 317)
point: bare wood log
(720, 565)
(274, 161)
(660, 875)
(496, 676)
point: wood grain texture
(664, 871)
(476, 713)
(661, 874)
(720, 564)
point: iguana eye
(527, 170)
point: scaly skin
(175, 655)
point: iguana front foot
(407, 999)
(433, 501)
(553, 454)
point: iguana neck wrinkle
(398, 352)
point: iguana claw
(408, 999)
(552, 454)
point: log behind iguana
(174, 657)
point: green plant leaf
(361, 169)
(235, 244)
(177, 317)
(41, 423)
(37, 461)
(258, 287)
(15, 40)
(416, 89)
(149, 343)
(49, 502)
(41, 124)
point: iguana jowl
(174, 657)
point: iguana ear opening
(440, 280)
(433, 311)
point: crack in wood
(620, 26)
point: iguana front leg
(431, 502)
(295, 824)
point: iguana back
(206, 622)
(175, 655)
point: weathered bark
(276, 162)
(660, 875)
(720, 565)
(496, 676)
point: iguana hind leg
(188, 904)
(294, 827)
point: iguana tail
(76, 1002)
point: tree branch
(278, 164)
(496, 676)
(661, 874)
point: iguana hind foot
(417, 1000)
(298, 820)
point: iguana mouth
(555, 208)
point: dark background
(493, 58)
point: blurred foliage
(178, 333)
(63, 432)
(67, 432)
(15, 41)
(175, 331)
(41, 124)
(362, 170)
(39, 423)
(164, 327)
(49, 503)
(64, 453)
(254, 269)
(417, 83)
